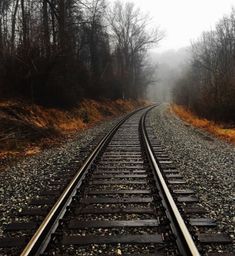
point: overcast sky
(184, 20)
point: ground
(206, 162)
(24, 179)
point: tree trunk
(1, 44)
(53, 24)
(24, 25)
(13, 26)
(61, 22)
(46, 29)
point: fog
(169, 67)
(182, 20)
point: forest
(207, 87)
(57, 52)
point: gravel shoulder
(206, 162)
(23, 180)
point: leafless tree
(131, 38)
(210, 83)
(58, 51)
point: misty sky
(184, 20)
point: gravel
(206, 162)
(23, 181)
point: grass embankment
(218, 130)
(27, 129)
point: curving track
(119, 202)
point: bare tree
(132, 37)
(58, 51)
(209, 86)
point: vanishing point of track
(122, 180)
(120, 202)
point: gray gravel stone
(206, 162)
(23, 181)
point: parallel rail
(126, 199)
(184, 239)
(41, 238)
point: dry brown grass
(27, 129)
(210, 126)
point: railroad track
(127, 199)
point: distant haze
(169, 67)
(183, 20)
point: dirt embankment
(27, 129)
(223, 131)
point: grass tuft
(27, 129)
(218, 130)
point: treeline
(55, 52)
(208, 86)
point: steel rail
(184, 240)
(42, 236)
